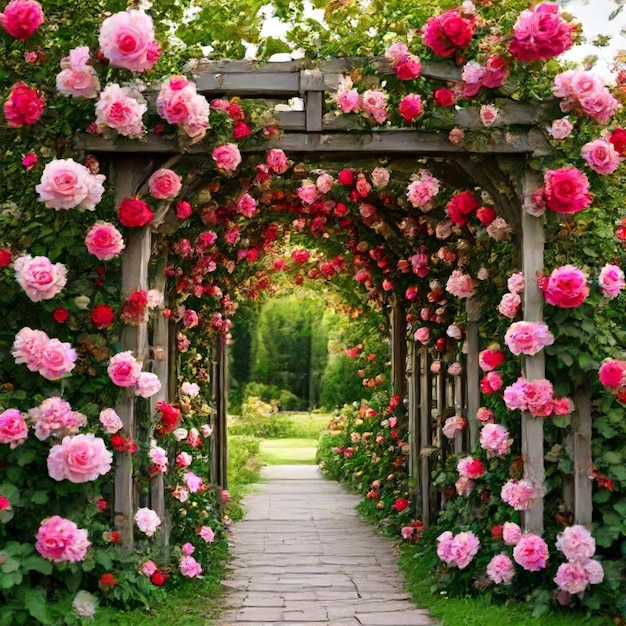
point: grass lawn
(288, 451)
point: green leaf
(35, 601)
(9, 580)
(38, 564)
(40, 497)
(10, 565)
(26, 457)
(104, 559)
(614, 458)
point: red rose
(24, 106)
(400, 504)
(134, 213)
(5, 257)
(107, 581)
(102, 316)
(496, 532)
(346, 178)
(240, 130)
(460, 206)
(618, 139)
(485, 215)
(60, 315)
(444, 97)
(102, 504)
(158, 578)
(169, 415)
(411, 107)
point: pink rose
(422, 335)
(227, 157)
(501, 569)
(307, 192)
(453, 425)
(192, 481)
(571, 578)
(494, 438)
(514, 395)
(79, 459)
(158, 458)
(277, 161)
(470, 467)
(104, 241)
(509, 305)
(348, 100)
(21, 18)
(39, 278)
(111, 421)
(13, 428)
(148, 568)
(612, 372)
(61, 541)
(122, 109)
(601, 156)
(464, 548)
(189, 567)
(24, 106)
(515, 283)
(54, 416)
(518, 494)
(380, 177)
(423, 188)
(127, 40)
(147, 521)
(561, 129)
(488, 115)
(147, 385)
(444, 33)
(444, 547)
(611, 280)
(247, 205)
(461, 285)
(77, 78)
(28, 347)
(472, 75)
(490, 382)
(408, 67)
(511, 533)
(206, 533)
(164, 184)
(484, 415)
(531, 552)
(124, 369)
(566, 190)
(66, 184)
(179, 103)
(600, 106)
(566, 287)
(540, 34)
(373, 100)
(528, 337)
(539, 397)
(57, 359)
(324, 182)
(576, 543)
(562, 406)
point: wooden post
(472, 369)
(222, 410)
(398, 347)
(459, 443)
(533, 239)
(425, 435)
(127, 174)
(581, 429)
(413, 378)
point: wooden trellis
(500, 167)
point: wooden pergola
(501, 167)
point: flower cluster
(51, 358)
(125, 371)
(457, 550)
(581, 569)
(537, 397)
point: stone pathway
(303, 557)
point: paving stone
(302, 557)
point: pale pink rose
(461, 285)
(611, 280)
(601, 156)
(227, 157)
(482, 274)
(190, 389)
(28, 347)
(192, 481)
(79, 459)
(464, 485)
(187, 549)
(435, 367)
(531, 552)
(443, 229)
(84, 604)
(66, 184)
(111, 421)
(324, 182)
(595, 571)
(517, 494)
(456, 136)
(421, 191)
(206, 430)
(454, 369)
(453, 425)
(501, 569)
(511, 533)
(39, 277)
(396, 52)
(576, 543)
(55, 417)
(422, 334)
(515, 283)
(13, 428)
(184, 459)
(494, 438)
(380, 177)
(158, 457)
(155, 298)
(124, 369)
(127, 40)
(122, 109)
(21, 18)
(76, 77)
(147, 521)
(499, 229)
(61, 541)
(528, 337)
(189, 567)
(509, 305)
(57, 359)
(472, 76)
(464, 548)
(180, 493)
(179, 103)
(148, 568)
(348, 101)
(573, 84)
(488, 115)
(164, 184)
(444, 547)
(104, 241)
(600, 106)
(147, 385)
(572, 578)
(561, 129)
(373, 100)
(277, 160)
(206, 533)
(307, 192)
(514, 395)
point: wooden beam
(472, 369)
(533, 238)
(583, 462)
(426, 433)
(398, 347)
(413, 381)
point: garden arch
(500, 166)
